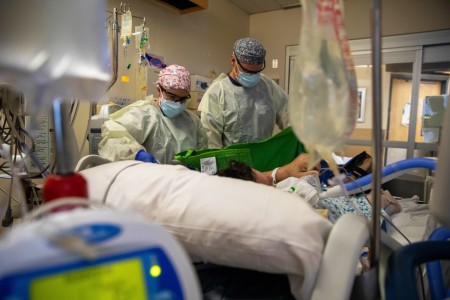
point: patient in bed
(295, 178)
(308, 186)
(296, 168)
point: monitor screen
(142, 274)
(118, 280)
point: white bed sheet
(414, 221)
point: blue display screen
(146, 274)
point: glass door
(394, 132)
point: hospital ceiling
(259, 6)
(249, 6)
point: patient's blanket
(414, 221)
(220, 220)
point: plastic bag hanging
(323, 99)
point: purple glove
(144, 156)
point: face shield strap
(246, 70)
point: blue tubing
(434, 270)
(410, 163)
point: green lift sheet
(264, 155)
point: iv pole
(115, 41)
(377, 135)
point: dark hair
(237, 169)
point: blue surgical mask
(171, 109)
(248, 79)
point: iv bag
(57, 50)
(323, 100)
(127, 25)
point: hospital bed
(350, 232)
(239, 224)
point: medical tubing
(114, 179)
(385, 218)
(389, 172)
(352, 201)
(411, 163)
(86, 134)
(74, 106)
(5, 208)
(31, 154)
(16, 185)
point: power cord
(8, 219)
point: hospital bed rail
(90, 160)
(400, 281)
(434, 268)
(350, 232)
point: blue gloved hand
(144, 156)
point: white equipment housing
(128, 258)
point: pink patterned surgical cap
(175, 77)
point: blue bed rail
(438, 290)
(400, 281)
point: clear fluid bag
(52, 49)
(323, 100)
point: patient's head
(240, 170)
(237, 169)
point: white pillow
(221, 220)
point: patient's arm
(296, 168)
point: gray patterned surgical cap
(249, 51)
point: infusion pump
(94, 254)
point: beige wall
(398, 16)
(278, 29)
